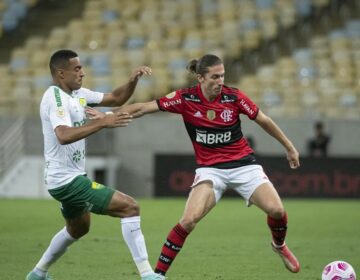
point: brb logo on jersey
(212, 138)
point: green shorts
(82, 195)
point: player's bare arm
(67, 134)
(139, 109)
(122, 94)
(135, 110)
(275, 131)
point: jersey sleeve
(92, 97)
(171, 103)
(58, 110)
(247, 106)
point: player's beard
(217, 90)
(78, 84)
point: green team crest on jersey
(77, 155)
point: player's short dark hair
(60, 59)
(201, 66)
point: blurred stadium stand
(298, 59)
(12, 12)
(291, 56)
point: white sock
(135, 241)
(278, 246)
(58, 246)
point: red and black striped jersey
(214, 127)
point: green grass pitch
(232, 242)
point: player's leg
(126, 208)
(74, 208)
(266, 198)
(200, 201)
(75, 228)
(254, 186)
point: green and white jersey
(64, 162)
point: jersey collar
(202, 97)
(70, 94)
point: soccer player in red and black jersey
(211, 113)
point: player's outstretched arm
(275, 131)
(67, 135)
(122, 94)
(136, 110)
(139, 109)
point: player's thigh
(122, 205)
(200, 201)
(267, 198)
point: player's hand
(110, 119)
(138, 72)
(118, 119)
(93, 114)
(293, 158)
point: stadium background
(298, 59)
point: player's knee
(84, 230)
(123, 206)
(132, 209)
(276, 212)
(79, 231)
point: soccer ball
(338, 270)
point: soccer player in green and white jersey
(65, 128)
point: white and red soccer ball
(338, 270)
